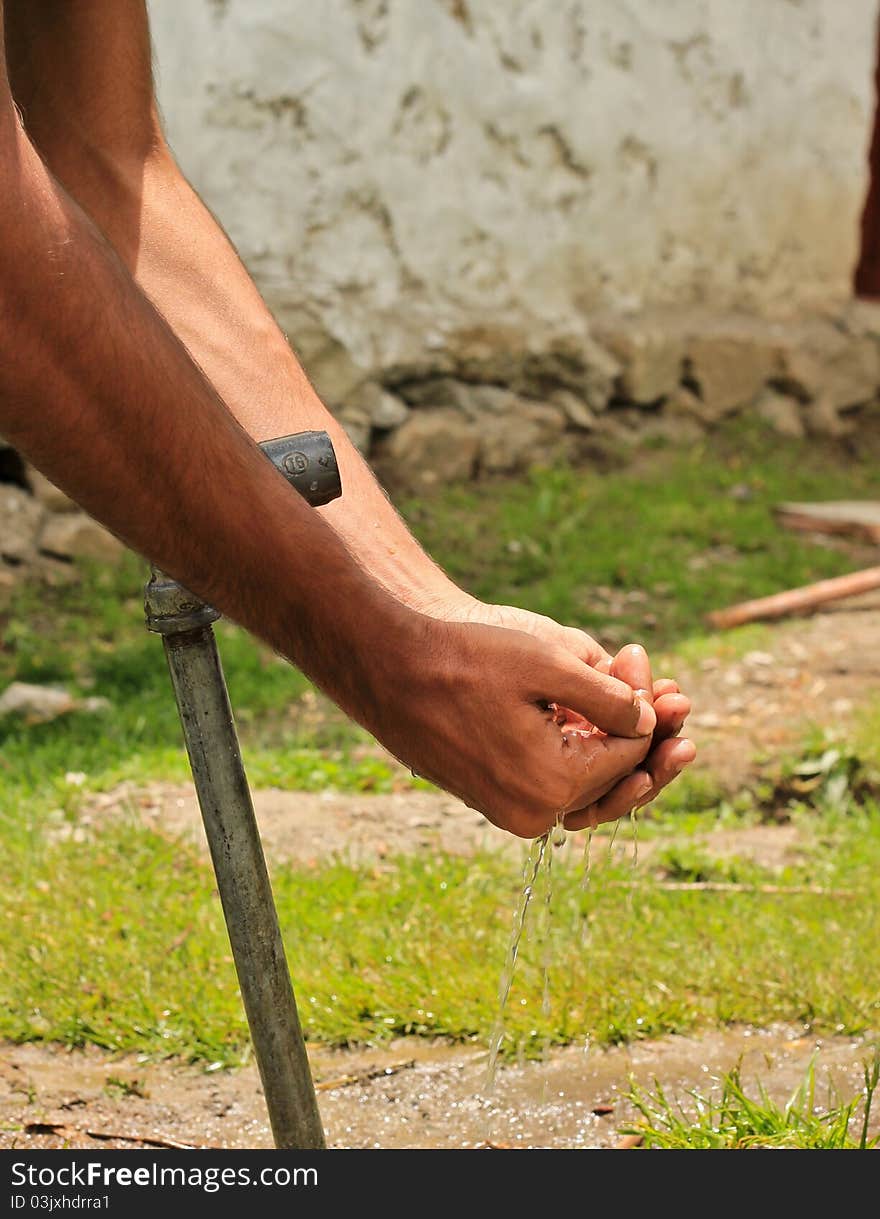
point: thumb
(605, 701)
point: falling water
(635, 824)
(534, 859)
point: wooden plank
(796, 600)
(853, 518)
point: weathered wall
(396, 170)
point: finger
(671, 710)
(605, 701)
(665, 685)
(617, 803)
(631, 664)
(586, 648)
(661, 766)
(599, 762)
(666, 761)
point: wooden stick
(796, 600)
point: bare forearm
(82, 75)
(99, 393)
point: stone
(78, 536)
(478, 401)
(781, 413)
(651, 360)
(684, 402)
(529, 436)
(821, 360)
(358, 429)
(601, 374)
(383, 409)
(20, 518)
(823, 418)
(432, 392)
(35, 702)
(432, 448)
(861, 317)
(668, 429)
(46, 493)
(389, 411)
(575, 409)
(728, 369)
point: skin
(138, 365)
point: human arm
(97, 390)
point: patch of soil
(814, 672)
(410, 1094)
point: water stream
(539, 866)
(534, 859)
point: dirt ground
(413, 1094)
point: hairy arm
(81, 74)
(100, 393)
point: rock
(728, 369)
(35, 702)
(46, 493)
(668, 429)
(20, 517)
(684, 402)
(529, 436)
(431, 392)
(574, 408)
(389, 411)
(850, 376)
(823, 418)
(601, 374)
(651, 360)
(383, 409)
(358, 428)
(478, 401)
(861, 317)
(783, 414)
(431, 448)
(823, 361)
(78, 536)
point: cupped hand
(466, 706)
(669, 753)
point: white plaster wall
(389, 167)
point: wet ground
(408, 1095)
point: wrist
(446, 601)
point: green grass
(118, 940)
(91, 638)
(646, 552)
(732, 1118)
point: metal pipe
(185, 623)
